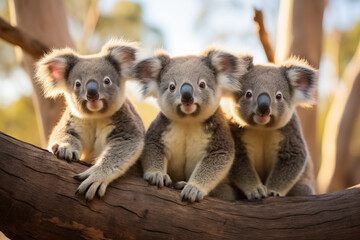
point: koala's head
(189, 88)
(270, 93)
(93, 85)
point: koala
(271, 154)
(100, 125)
(189, 142)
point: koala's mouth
(261, 119)
(184, 110)
(94, 105)
(188, 108)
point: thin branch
(90, 22)
(18, 37)
(263, 35)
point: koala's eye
(202, 85)
(278, 96)
(248, 94)
(107, 81)
(172, 87)
(77, 84)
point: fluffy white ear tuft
(52, 70)
(148, 71)
(124, 53)
(303, 79)
(229, 68)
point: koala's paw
(180, 185)
(65, 152)
(158, 179)
(192, 194)
(274, 193)
(95, 180)
(257, 192)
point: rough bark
(38, 201)
(46, 21)
(300, 34)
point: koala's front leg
(64, 141)
(153, 160)
(214, 166)
(115, 160)
(154, 166)
(246, 178)
(292, 157)
(208, 173)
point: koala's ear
(147, 72)
(303, 80)
(123, 53)
(229, 68)
(53, 69)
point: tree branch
(90, 22)
(339, 129)
(263, 35)
(37, 200)
(18, 37)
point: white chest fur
(262, 148)
(93, 134)
(185, 146)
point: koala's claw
(257, 193)
(65, 153)
(158, 179)
(180, 185)
(95, 181)
(273, 194)
(192, 194)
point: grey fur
(108, 131)
(153, 154)
(271, 155)
(192, 148)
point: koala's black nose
(186, 92)
(263, 103)
(92, 90)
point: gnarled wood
(37, 200)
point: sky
(228, 24)
(178, 21)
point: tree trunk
(300, 34)
(338, 132)
(37, 200)
(44, 20)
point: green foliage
(341, 45)
(8, 60)
(7, 55)
(348, 44)
(77, 9)
(123, 21)
(18, 120)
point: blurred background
(325, 32)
